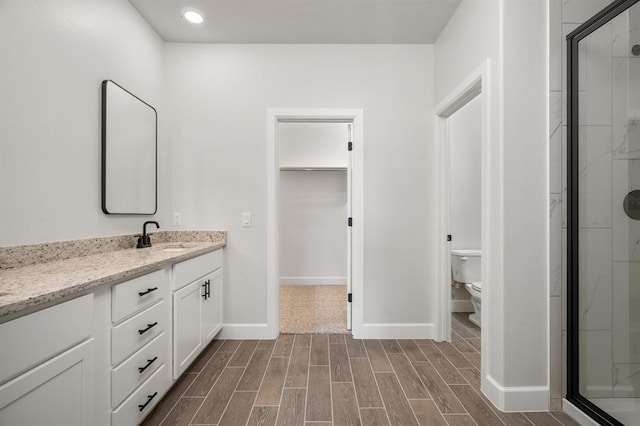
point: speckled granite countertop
(25, 288)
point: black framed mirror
(129, 152)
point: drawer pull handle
(149, 362)
(149, 398)
(207, 289)
(149, 290)
(149, 327)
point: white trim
(396, 331)
(461, 306)
(576, 414)
(245, 331)
(313, 280)
(517, 398)
(273, 179)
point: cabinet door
(212, 306)
(57, 392)
(187, 338)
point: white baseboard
(461, 306)
(396, 331)
(576, 414)
(247, 331)
(516, 398)
(313, 280)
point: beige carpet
(310, 309)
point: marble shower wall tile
(555, 245)
(626, 315)
(564, 280)
(555, 346)
(596, 366)
(555, 142)
(595, 180)
(556, 45)
(626, 380)
(594, 198)
(626, 108)
(595, 271)
(626, 231)
(564, 177)
(595, 78)
(579, 11)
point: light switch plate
(246, 220)
(177, 219)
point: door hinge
(349, 298)
(350, 222)
(449, 237)
(350, 146)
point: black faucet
(145, 240)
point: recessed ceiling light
(193, 15)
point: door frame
(476, 84)
(274, 116)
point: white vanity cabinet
(140, 346)
(47, 364)
(197, 307)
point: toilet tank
(465, 265)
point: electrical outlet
(177, 219)
(246, 220)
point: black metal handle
(149, 290)
(205, 290)
(149, 398)
(149, 362)
(208, 283)
(150, 326)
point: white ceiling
(300, 21)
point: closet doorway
(314, 203)
(353, 302)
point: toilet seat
(477, 286)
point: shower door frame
(573, 300)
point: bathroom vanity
(99, 339)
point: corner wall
(511, 36)
(55, 55)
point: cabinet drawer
(133, 409)
(138, 293)
(190, 270)
(34, 338)
(128, 376)
(132, 334)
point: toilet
(465, 267)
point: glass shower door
(603, 215)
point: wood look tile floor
(314, 380)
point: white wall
(54, 56)
(218, 96)
(313, 227)
(511, 36)
(465, 150)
